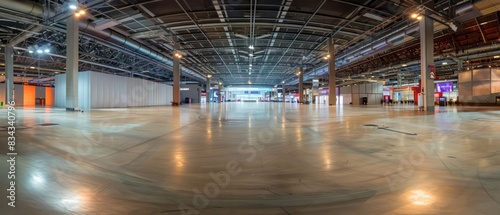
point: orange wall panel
(49, 96)
(29, 95)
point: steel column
(332, 97)
(427, 60)
(207, 89)
(177, 81)
(301, 85)
(9, 73)
(72, 63)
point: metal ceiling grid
(214, 36)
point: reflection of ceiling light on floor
(420, 197)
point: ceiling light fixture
(251, 55)
(445, 63)
(73, 4)
(404, 65)
(251, 47)
(416, 16)
(496, 56)
(80, 13)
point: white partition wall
(19, 94)
(108, 91)
(83, 90)
(372, 91)
(346, 94)
(480, 86)
(99, 90)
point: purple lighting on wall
(444, 87)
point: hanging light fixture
(73, 4)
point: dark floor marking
(285, 210)
(272, 192)
(387, 129)
(48, 124)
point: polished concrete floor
(255, 158)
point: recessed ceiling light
(445, 63)
(32, 67)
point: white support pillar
(177, 81)
(301, 84)
(283, 92)
(9, 73)
(219, 94)
(332, 97)
(207, 89)
(72, 64)
(427, 60)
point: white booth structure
(479, 86)
(100, 90)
